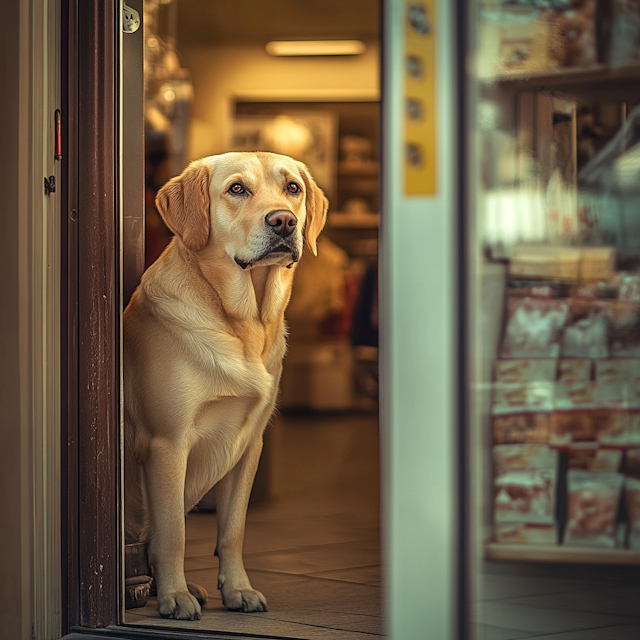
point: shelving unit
(353, 220)
(532, 95)
(594, 85)
(561, 554)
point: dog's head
(259, 207)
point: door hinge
(49, 185)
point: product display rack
(597, 84)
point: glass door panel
(555, 329)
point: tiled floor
(313, 550)
(558, 602)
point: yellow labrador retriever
(204, 339)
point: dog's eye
(292, 187)
(237, 189)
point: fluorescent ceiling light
(315, 48)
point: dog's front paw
(179, 605)
(247, 600)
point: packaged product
(534, 327)
(572, 429)
(632, 437)
(521, 428)
(632, 490)
(617, 369)
(628, 284)
(632, 461)
(596, 459)
(574, 369)
(513, 457)
(597, 263)
(554, 262)
(525, 496)
(586, 334)
(513, 39)
(529, 396)
(525, 370)
(612, 427)
(573, 36)
(625, 330)
(594, 498)
(525, 533)
(574, 395)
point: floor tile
(540, 620)
(359, 575)
(631, 632)
(624, 601)
(310, 560)
(488, 632)
(495, 587)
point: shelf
(561, 554)
(353, 220)
(368, 168)
(599, 83)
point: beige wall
(221, 74)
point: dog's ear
(317, 206)
(184, 204)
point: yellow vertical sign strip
(420, 117)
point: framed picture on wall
(310, 137)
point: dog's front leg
(165, 471)
(232, 499)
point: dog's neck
(258, 294)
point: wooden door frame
(92, 503)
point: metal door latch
(49, 185)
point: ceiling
(258, 21)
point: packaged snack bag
(520, 397)
(586, 334)
(612, 427)
(574, 369)
(525, 370)
(593, 508)
(625, 330)
(572, 422)
(574, 396)
(521, 428)
(525, 533)
(534, 327)
(572, 429)
(632, 461)
(523, 457)
(632, 490)
(608, 460)
(525, 496)
(617, 369)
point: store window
(555, 273)
(312, 540)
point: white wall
(220, 74)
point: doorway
(312, 542)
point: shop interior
(555, 434)
(212, 84)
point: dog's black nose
(281, 222)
